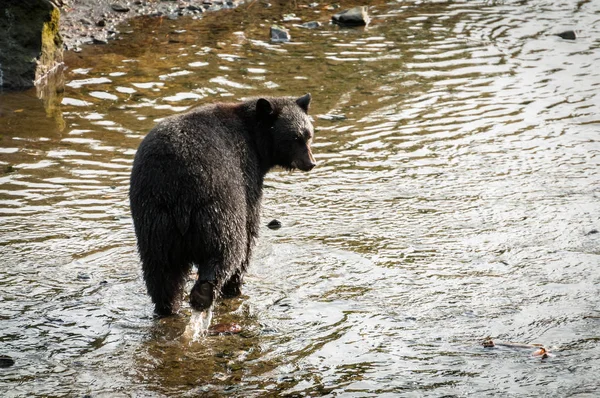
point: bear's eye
(298, 139)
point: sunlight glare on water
(456, 198)
(198, 325)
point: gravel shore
(96, 21)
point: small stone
(592, 232)
(568, 35)
(118, 7)
(274, 224)
(101, 23)
(355, 16)
(6, 361)
(279, 34)
(311, 25)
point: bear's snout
(306, 162)
(308, 166)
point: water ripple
(456, 197)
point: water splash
(198, 325)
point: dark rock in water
(6, 361)
(567, 35)
(310, 25)
(274, 224)
(280, 34)
(30, 44)
(354, 17)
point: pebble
(274, 224)
(310, 25)
(280, 34)
(568, 35)
(119, 7)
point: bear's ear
(264, 109)
(304, 101)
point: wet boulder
(30, 42)
(353, 17)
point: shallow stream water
(457, 197)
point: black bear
(196, 188)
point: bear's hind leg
(202, 295)
(165, 288)
(233, 287)
(205, 289)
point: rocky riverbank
(34, 33)
(96, 21)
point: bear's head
(290, 131)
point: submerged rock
(567, 35)
(280, 34)
(31, 46)
(354, 17)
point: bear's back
(204, 151)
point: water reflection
(456, 197)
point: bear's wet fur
(196, 188)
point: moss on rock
(30, 42)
